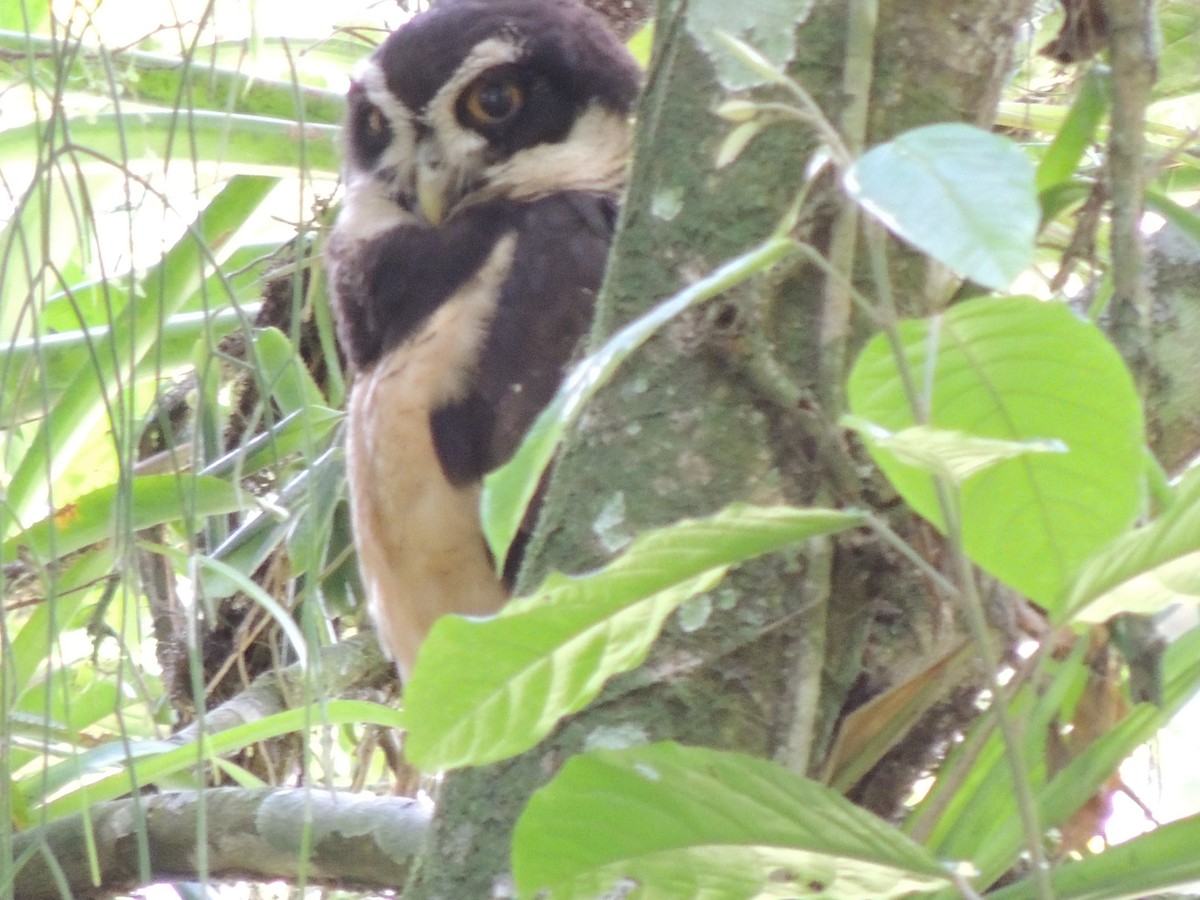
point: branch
(300, 835)
(351, 663)
(1131, 40)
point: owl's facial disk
(474, 101)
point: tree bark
(719, 408)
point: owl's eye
(375, 125)
(492, 99)
(372, 131)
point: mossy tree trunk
(726, 405)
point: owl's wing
(544, 310)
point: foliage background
(173, 520)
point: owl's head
(478, 99)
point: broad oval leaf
(675, 821)
(962, 195)
(486, 689)
(1017, 369)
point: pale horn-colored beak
(432, 181)
(431, 193)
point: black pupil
(496, 99)
(372, 133)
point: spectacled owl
(485, 150)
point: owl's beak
(432, 177)
(432, 184)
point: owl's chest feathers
(420, 546)
(433, 365)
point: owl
(485, 150)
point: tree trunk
(721, 407)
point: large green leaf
(961, 194)
(486, 689)
(667, 821)
(1016, 369)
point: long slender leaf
(1150, 864)
(275, 147)
(155, 760)
(547, 655)
(1078, 131)
(1147, 570)
(55, 360)
(134, 332)
(150, 499)
(164, 80)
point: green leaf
(35, 372)
(282, 372)
(147, 762)
(767, 28)
(248, 547)
(487, 689)
(245, 143)
(1016, 369)
(667, 821)
(641, 44)
(1150, 864)
(135, 333)
(958, 193)
(1078, 131)
(508, 490)
(1146, 570)
(1179, 34)
(26, 649)
(953, 455)
(977, 774)
(154, 79)
(143, 503)
(999, 840)
(296, 432)
(1182, 218)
